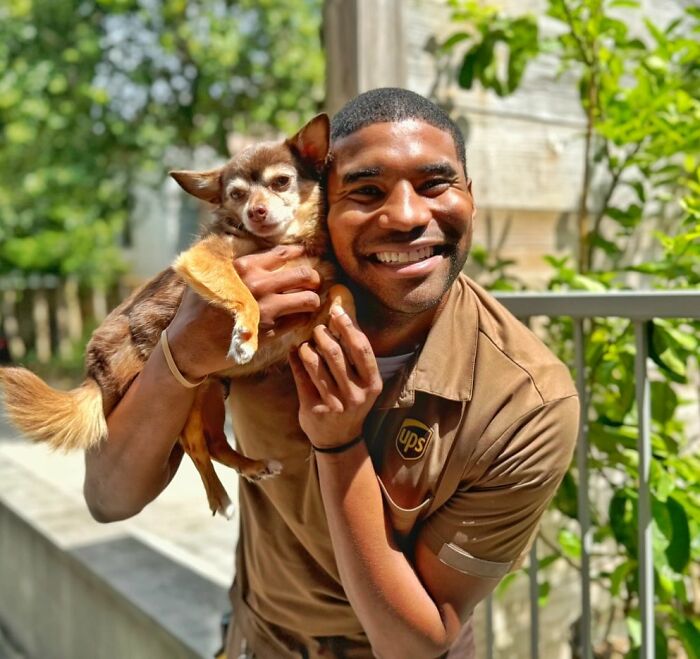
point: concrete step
(150, 587)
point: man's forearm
(400, 618)
(133, 465)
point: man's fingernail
(337, 310)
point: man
(403, 502)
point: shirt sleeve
(487, 527)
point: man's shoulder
(508, 350)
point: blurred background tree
(93, 93)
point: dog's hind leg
(213, 416)
(194, 443)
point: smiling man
(421, 443)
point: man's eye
(436, 184)
(280, 183)
(367, 191)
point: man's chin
(408, 296)
(409, 301)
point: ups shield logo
(413, 438)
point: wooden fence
(44, 317)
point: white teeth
(412, 256)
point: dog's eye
(237, 194)
(281, 182)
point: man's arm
(140, 455)
(409, 606)
(408, 610)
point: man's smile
(409, 256)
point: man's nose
(404, 209)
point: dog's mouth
(267, 228)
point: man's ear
(312, 142)
(203, 185)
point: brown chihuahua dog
(268, 195)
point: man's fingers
(335, 358)
(308, 395)
(297, 278)
(301, 302)
(269, 259)
(320, 376)
(356, 345)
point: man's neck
(392, 332)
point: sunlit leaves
(497, 49)
(640, 92)
(94, 92)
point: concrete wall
(72, 589)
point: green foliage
(640, 93)
(486, 31)
(93, 93)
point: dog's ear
(312, 142)
(203, 185)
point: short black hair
(392, 104)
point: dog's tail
(65, 420)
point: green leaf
(633, 4)
(634, 629)
(662, 350)
(582, 282)
(678, 551)
(570, 543)
(566, 498)
(465, 78)
(622, 516)
(660, 643)
(456, 38)
(619, 575)
(664, 401)
(689, 634)
(506, 582)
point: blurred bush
(93, 92)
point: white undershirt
(390, 366)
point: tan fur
(65, 420)
(120, 347)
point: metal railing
(639, 308)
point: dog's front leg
(207, 267)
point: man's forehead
(392, 144)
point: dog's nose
(257, 212)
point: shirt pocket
(403, 519)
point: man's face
(400, 212)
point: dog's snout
(257, 212)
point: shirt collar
(445, 364)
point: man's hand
(200, 333)
(284, 295)
(337, 379)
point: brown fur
(119, 348)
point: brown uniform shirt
(483, 395)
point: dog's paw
(227, 510)
(241, 350)
(272, 468)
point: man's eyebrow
(441, 168)
(357, 174)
